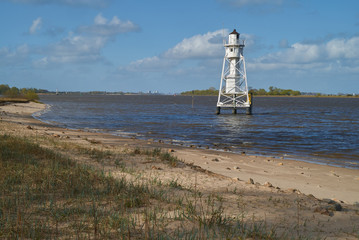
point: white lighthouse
(233, 90)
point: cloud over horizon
(105, 27)
(177, 45)
(199, 46)
(342, 52)
(74, 49)
(14, 57)
(202, 55)
(201, 49)
(84, 46)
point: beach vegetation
(47, 195)
(4, 88)
(158, 154)
(13, 92)
(28, 94)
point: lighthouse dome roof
(234, 32)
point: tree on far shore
(208, 92)
(29, 94)
(13, 92)
(4, 88)
(274, 91)
(271, 91)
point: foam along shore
(269, 187)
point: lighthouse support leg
(218, 111)
(249, 110)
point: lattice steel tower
(233, 90)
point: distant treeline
(14, 92)
(275, 91)
(208, 92)
(261, 91)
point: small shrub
(12, 92)
(30, 95)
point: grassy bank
(13, 100)
(45, 195)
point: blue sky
(173, 46)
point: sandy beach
(272, 189)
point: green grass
(13, 100)
(44, 195)
(61, 192)
(157, 153)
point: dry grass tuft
(46, 195)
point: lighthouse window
(231, 49)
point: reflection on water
(318, 129)
(233, 123)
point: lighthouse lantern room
(233, 91)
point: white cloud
(209, 45)
(343, 48)
(73, 49)
(99, 20)
(297, 53)
(36, 24)
(198, 46)
(200, 49)
(15, 57)
(115, 21)
(313, 56)
(84, 48)
(104, 27)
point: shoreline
(324, 161)
(276, 195)
(317, 159)
(322, 181)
